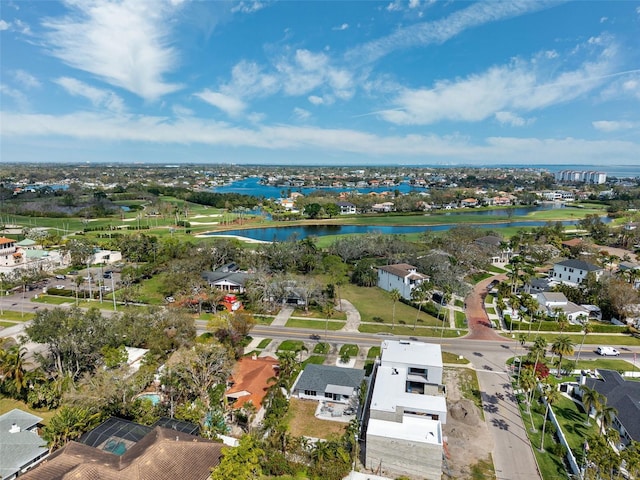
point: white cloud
(181, 111)
(439, 31)
(301, 113)
(22, 27)
(551, 54)
(517, 87)
(604, 19)
(4, 25)
(163, 131)
(98, 97)
(315, 100)
(230, 105)
(26, 79)
(508, 118)
(248, 7)
(124, 43)
(414, 3)
(344, 26)
(19, 98)
(613, 126)
(394, 6)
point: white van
(607, 351)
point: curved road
(477, 319)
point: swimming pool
(154, 397)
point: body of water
(299, 232)
(251, 186)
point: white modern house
(554, 303)
(405, 411)
(347, 208)
(402, 277)
(21, 447)
(573, 272)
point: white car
(607, 351)
(60, 287)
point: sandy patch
(204, 223)
(239, 237)
(213, 215)
(468, 439)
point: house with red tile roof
(250, 380)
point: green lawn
(572, 419)
(16, 316)
(315, 313)
(264, 342)
(461, 319)
(316, 324)
(349, 349)
(291, 345)
(491, 310)
(53, 300)
(494, 269)
(372, 354)
(489, 298)
(458, 303)
(448, 357)
(315, 359)
(321, 348)
(375, 304)
(605, 364)
(409, 331)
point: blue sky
(330, 82)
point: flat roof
(411, 353)
(412, 429)
(389, 393)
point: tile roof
(399, 269)
(317, 377)
(5, 240)
(579, 264)
(251, 376)
(19, 448)
(161, 455)
(623, 395)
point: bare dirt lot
(469, 444)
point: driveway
(477, 319)
(353, 316)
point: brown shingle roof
(162, 454)
(399, 269)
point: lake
(299, 232)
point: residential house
(406, 408)
(347, 208)
(573, 272)
(326, 382)
(469, 202)
(502, 253)
(227, 278)
(555, 303)
(402, 277)
(7, 251)
(106, 256)
(624, 396)
(384, 207)
(250, 381)
(21, 447)
(130, 451)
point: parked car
(60, 287)
(607, 351)
(61, 277)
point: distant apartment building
(581, 176)
(405, 410)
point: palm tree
(395, 296)
(587, 329)
(12, 368)
(590, 399)
(561, 346)
(551, 395)
(419, 295)
(606, 414)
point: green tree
(68, 424)
(12, 369)
(419, 294)
(313, 210)
(331, 209)
(240, 463)
(590, 399)
(561, 346)
(551, 395)
(395, 296)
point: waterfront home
(402, 277)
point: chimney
(14, 428)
